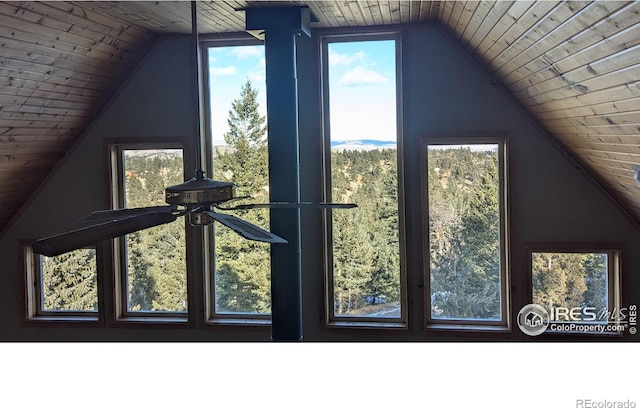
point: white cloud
(256, 76)
(246, 52)
(335, 58)
(362, 76)
(223, 71)
(258, 73)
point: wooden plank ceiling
(574, 66)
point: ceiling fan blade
(290, 205)
(83, 237)
(246, 229)
(102, 216)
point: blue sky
(362, 87)
(362, 90)
(229, 68)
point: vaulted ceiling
(574, 66)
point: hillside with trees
(243, 267)
(464, 233)
(156, 257)
(570, 280)
(366, 257)
(463, 236)
(70, 281)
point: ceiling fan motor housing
(200, 191)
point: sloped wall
(551, 199)
(443, 90)
(156, 102)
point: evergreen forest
(571, 280)
(464, 236)
(464, 232)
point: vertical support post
(280, 27)
(284, 173)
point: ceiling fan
(196, 199)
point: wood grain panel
(60, 64)
(579, 50)
(465, 16)
(593, 73)
(551, 22)
(583, 19)
(574, 66)
(493, 17)
(475, 21)
(523, 23)
(512, 17)
(445, 13)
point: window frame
(502, 139)
(330, 318)
(615, 264)
(116, 177)
(33, 311)
(211, 316)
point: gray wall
(443, 90)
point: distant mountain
(362, 144)
(154, 152)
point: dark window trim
(616, 265)
(325, 37)
(114, 148)
(32, 313)
(503, 139)
(211, 317)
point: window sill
(65, 320)
(238, 321)
(367, 325)
(161, 320)
(466, 328)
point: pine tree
(559, 279)
(366, 258)
(70, 281)
(596, 295)
(243, 267)
(247, 163)
(156, 265)
(353, 256)
(464, 233)
(141, 285)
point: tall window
(241, 280)
(64, 287)
(466, 212)
(364, 261)
(152, 278)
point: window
(364, 267)
(239, 280)
(465, 231)
(151, 277)
(578, 285)
(64, 287)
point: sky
(362, 87)
(229, 68)
(362, 90)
